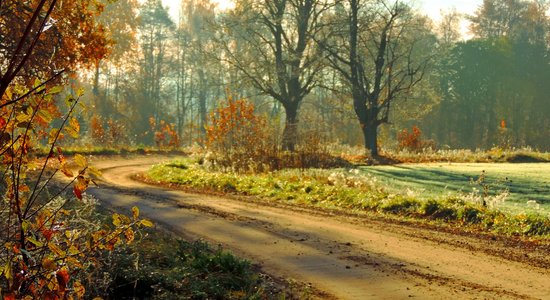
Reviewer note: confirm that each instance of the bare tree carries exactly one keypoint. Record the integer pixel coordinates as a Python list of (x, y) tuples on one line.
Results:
[(271, 44), (379, 55)]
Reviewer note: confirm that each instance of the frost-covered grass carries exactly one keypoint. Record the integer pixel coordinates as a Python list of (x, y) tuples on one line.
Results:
[(428, 155), (468, 156), (361, 191), (525, 185)]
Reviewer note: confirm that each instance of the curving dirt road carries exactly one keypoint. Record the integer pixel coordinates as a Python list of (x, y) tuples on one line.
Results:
[(346, 257)]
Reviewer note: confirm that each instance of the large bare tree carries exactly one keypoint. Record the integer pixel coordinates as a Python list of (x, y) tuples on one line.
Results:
[(379, 49), (271, 44)]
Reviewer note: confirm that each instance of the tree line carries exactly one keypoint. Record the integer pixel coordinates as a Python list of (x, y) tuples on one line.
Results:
[(355, 71)]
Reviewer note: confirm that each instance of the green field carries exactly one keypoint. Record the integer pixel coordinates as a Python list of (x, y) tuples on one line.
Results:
[(525, 181)]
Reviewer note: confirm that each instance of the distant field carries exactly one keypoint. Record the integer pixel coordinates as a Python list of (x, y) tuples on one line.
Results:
[(525, 181)]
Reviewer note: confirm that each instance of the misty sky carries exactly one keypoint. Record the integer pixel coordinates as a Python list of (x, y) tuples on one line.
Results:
[(433, 7), (429, 7)]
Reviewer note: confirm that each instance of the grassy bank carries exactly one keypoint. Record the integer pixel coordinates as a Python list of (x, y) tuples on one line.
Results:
[(163, 267), (355, 191), (158, 265)]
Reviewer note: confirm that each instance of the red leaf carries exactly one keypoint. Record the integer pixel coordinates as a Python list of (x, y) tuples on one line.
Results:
[(50, 296), (77, 192), (62, 277), (9, 297), (47, 234)]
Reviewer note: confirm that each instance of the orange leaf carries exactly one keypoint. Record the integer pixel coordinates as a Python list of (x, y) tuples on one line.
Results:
[(49, 264), (50, 296), (62, 277), (80, 186), (77, 192), (47, 234), (66, 171)]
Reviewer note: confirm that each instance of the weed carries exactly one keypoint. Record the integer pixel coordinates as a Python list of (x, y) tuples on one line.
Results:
[(400, 205)]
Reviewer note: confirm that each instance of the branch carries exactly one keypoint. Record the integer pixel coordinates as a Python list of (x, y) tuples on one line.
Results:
[(32, 90)]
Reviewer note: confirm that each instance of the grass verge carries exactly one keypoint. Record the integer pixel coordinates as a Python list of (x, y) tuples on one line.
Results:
[(158, 265), (350, 190), (162, 267)]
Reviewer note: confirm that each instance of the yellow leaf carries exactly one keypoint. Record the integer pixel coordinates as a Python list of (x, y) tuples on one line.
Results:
[(129, 234), (8, 94), (55, 90), (79, 289), (73, 128), (117, 221), (146, 223), (34, 241), (37, 83), (25, 225), (73, 250), (7, 270), (56, 250), (80, 160), (135, 212), (67, 171), (45, 115), (23, 117), (93, 171), (80, 92)]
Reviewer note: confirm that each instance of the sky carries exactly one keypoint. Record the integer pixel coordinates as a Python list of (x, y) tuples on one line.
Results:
[(432, 8)]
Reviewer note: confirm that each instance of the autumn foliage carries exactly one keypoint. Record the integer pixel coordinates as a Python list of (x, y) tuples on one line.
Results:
[(165, 134), (45, 244), (410, 140), (108, 132), (238, 139), (69, 34), (48, 243)]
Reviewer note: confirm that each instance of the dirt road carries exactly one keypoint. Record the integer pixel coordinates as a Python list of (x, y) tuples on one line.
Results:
[(347, 257)]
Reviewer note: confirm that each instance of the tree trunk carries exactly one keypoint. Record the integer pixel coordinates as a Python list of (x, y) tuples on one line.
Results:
[(370, 134), (290, 133), (95, 88), (202, 102)]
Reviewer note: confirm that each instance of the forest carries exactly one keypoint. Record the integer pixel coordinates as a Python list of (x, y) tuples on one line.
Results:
[(317, 139), (347, 72)]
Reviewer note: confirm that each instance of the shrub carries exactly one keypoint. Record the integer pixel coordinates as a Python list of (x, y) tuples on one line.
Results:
[(110, 132), (412, 141), (238, 139), (166, 136), (47, 244), (470, 215)]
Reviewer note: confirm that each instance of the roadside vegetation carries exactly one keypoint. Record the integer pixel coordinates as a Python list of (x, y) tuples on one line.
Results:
[(354, 191), (158, 265), (242, 159)]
